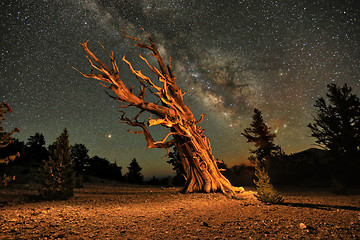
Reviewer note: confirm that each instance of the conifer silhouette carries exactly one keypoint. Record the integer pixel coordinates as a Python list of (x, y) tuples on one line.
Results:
[(134, 175), (57, 175), (259, 134), (337, 129)]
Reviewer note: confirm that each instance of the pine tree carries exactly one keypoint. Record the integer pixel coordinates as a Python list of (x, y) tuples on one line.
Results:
[(337, 126), (259, 134), (37, 140), (79, 154), (36, 151), (265, 190), (5, 140), (337, 129), (134, 175), (57, 175)]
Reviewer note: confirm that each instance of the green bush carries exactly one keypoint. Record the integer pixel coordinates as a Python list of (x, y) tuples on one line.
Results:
[(265, 191)]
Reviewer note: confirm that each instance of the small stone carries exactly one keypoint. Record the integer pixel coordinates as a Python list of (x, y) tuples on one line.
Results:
[(303, 226)]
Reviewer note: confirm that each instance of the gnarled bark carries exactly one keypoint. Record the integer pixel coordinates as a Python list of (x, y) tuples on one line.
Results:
[(202, 173)]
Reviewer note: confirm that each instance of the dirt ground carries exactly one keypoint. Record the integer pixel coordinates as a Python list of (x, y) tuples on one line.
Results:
[(117, 211)]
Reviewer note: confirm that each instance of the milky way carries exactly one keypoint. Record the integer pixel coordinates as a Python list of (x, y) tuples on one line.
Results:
[(234, 56)]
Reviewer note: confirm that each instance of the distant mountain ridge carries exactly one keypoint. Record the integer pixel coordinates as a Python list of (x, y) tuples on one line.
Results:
[(311, 155), (309, 167)]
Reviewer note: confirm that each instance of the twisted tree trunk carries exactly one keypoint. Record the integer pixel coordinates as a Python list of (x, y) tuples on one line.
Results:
[(202, 173)]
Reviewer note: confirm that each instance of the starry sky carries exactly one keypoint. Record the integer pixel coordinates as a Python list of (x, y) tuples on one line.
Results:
[(234, 56)]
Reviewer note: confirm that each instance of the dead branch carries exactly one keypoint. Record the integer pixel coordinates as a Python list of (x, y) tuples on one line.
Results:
[(148, 137)]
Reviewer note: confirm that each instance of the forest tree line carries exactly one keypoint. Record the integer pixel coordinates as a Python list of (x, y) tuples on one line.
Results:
[(34, 152), (60, 166), (336, 129)]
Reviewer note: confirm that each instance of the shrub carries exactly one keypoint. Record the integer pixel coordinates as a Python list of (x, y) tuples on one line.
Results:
[(265, 191)]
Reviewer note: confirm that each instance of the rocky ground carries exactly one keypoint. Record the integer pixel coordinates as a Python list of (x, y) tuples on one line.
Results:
[(117, 211)]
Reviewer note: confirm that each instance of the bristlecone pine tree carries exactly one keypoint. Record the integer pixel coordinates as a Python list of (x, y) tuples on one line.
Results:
[(57, 176), (337, 129), (259, 134), (337, 124), (5, 140), (202, 174)]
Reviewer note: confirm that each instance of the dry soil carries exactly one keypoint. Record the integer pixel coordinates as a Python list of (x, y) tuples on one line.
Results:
[(118, 211)]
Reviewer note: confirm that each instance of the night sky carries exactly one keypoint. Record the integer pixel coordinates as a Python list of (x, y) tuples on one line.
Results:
[(277, 56)]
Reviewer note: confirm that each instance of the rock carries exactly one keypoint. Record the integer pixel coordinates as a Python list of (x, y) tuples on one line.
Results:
[(308, 228), (303, 226)]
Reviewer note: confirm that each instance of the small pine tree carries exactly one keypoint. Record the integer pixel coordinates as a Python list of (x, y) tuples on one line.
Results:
[(5, 140), (265, 190), (259, 134), (57, 175), (134, 175)]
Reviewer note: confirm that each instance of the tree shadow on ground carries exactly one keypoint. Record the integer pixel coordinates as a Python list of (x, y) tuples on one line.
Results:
[(320, 206), (10, 200)]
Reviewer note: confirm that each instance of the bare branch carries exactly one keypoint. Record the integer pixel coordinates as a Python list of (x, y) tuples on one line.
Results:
[(139, 74), (142, 93), (163, 141), (170, 70), (161, 121), (113, 97), (186, 92), (149, 139), (151, 47), (201, 119), (124, 94), (126, 106)]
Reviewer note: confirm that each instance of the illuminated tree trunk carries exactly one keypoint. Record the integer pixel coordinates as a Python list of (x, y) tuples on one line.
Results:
[(202, 173)]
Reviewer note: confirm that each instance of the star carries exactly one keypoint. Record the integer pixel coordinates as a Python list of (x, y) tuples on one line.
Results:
[(234, 56)]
